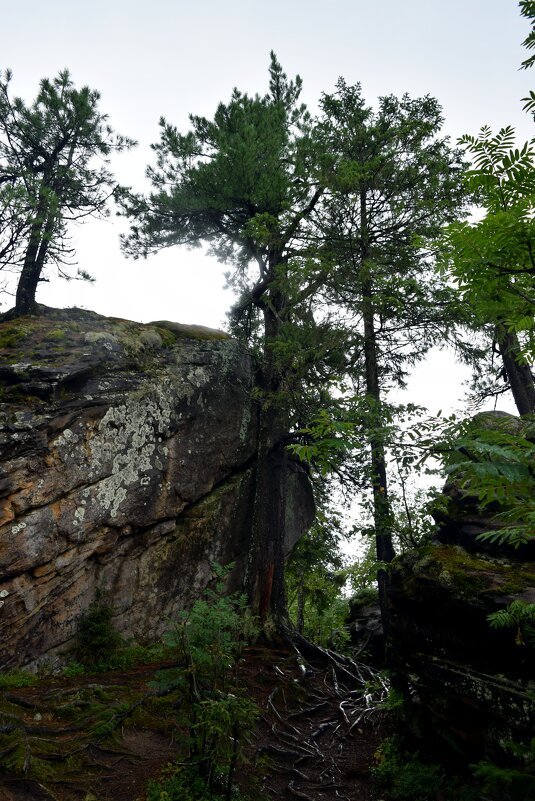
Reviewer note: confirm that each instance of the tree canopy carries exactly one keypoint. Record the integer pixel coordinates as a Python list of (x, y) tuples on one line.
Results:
[(319, 219)]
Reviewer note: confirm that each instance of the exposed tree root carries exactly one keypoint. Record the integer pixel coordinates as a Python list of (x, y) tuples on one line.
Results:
[(340, 694)]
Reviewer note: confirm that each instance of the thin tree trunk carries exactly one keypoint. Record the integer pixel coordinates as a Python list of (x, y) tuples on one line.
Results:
[(381, 506), (232, 764), (518, 372), (382, 516), (300, 623)]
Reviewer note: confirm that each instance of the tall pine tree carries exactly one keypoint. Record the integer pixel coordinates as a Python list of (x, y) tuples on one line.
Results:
[(246, 182)]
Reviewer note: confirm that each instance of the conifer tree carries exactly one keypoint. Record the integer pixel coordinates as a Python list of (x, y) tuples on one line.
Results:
[(246, 182), (395, 184), (47, 178)]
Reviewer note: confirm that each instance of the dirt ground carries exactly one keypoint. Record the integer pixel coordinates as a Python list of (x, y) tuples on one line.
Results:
[(101, 737)]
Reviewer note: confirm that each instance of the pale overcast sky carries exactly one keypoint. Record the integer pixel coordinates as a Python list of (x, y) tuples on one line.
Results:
[(172, 58)]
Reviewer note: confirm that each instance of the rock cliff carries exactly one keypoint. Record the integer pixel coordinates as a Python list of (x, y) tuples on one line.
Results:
[(126, 466), (466, 685)]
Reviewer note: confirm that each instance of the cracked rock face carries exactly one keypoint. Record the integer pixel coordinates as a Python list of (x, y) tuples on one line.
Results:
[(126, 466)]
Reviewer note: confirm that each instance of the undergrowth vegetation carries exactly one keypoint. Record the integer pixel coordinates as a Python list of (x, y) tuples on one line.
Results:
[(99, 647), (207, 643)]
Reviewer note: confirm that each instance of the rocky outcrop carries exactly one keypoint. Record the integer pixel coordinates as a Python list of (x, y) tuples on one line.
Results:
[(468, 687), (460, 518), (126, 467)]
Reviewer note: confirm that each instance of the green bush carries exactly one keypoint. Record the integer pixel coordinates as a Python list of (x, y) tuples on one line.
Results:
[(183, 783), (16, 678), (207, 643), (97, 641), (407, 778), (509, 783)]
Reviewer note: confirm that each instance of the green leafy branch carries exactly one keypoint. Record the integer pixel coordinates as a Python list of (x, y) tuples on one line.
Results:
[(519, 615)]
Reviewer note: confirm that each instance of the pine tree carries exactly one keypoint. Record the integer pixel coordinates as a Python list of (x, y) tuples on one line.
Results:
[(47, 179), (395, 184), (246, 182)]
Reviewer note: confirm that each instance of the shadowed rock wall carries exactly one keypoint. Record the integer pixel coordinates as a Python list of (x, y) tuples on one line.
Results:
[(467, 686), (126, 466)]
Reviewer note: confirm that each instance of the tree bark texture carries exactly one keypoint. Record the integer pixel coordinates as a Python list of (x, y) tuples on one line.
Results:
[(34, 260), (518, 372), (266, 559)]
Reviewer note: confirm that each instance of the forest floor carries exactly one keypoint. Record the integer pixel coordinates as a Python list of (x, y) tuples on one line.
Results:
[(101, 737)]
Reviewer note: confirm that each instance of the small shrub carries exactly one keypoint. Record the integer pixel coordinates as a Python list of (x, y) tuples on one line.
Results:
[(207, 643), (509, 783), (183, 783), (406, 777), (74, 669), (56, 335), (97, 641)]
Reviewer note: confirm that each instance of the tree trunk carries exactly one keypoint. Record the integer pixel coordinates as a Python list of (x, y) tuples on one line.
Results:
[(27, 288), (266, 557), (381, 505), (34, 260), (382, 516), (518, 372), (300, 623)]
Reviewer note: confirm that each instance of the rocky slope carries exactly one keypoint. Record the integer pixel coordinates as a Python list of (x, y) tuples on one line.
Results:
[(126, 467)]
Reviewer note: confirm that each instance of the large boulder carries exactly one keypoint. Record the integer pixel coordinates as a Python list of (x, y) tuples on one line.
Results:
[(467, 686), (127, 457), (460, 518)]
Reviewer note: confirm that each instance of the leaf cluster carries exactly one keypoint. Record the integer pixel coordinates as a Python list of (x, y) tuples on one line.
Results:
[(509, 783), (527, 10), (492, 462), (520, 616), (492, 261)]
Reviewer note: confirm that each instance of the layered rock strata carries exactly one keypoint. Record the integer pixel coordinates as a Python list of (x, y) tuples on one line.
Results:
[(126, 467), (466, 685)]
